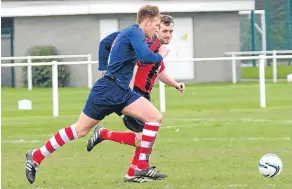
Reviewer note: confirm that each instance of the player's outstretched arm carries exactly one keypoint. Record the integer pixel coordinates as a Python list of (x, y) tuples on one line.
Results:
[(167, 79), (104, 50), (144, 54)]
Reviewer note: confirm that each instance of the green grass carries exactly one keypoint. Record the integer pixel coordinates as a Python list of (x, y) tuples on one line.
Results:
[(212, 137), (253, 72)]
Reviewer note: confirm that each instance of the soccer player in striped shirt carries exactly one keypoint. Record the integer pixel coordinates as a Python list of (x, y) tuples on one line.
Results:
[(143, 82)]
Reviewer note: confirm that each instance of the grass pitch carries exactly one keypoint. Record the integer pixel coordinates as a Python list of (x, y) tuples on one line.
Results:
[(212, 137), (253, 72)]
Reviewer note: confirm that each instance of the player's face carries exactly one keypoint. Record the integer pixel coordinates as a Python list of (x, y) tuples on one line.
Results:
[(152, 26), (165, 33)]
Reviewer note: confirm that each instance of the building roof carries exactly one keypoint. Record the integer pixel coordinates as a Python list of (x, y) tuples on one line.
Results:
[(49, 8)]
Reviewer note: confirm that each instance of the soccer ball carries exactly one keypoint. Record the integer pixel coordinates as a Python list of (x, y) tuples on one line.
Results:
[(270, 165)]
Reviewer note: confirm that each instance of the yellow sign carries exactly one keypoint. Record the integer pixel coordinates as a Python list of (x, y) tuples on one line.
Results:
[(186, 36)]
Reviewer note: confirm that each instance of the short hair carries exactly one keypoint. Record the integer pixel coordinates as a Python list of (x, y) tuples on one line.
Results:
[(147, 11), (166, 19)]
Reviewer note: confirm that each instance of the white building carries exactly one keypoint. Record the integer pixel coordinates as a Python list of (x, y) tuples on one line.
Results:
[(203, 28)]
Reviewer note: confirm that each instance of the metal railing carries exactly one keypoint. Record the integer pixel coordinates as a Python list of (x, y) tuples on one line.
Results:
[(54, 64)]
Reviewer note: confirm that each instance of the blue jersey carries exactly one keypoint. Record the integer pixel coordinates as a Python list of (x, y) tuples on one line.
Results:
[(129, 46), (112, 92)]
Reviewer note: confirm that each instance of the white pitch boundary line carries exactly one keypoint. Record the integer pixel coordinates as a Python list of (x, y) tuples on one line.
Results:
[(21, 141), (167, 116), (244, 120), (125, 130), (248, 120), (232, 186), (178, 140), (187, 125), (225, 186), (227, 139)]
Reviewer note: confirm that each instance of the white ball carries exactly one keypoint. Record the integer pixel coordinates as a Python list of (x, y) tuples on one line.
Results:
[(270, 165)]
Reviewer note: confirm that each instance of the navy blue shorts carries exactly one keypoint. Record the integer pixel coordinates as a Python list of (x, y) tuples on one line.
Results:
[(106, 97)]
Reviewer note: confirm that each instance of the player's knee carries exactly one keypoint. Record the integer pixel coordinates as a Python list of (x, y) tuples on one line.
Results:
[(82, 133), (138, 139), (84, 124), (80, 130), (159, 118)]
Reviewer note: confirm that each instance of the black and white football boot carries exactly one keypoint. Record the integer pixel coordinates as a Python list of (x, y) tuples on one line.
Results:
[(136, 179), (151, 173), (30, 167), (95, 138)]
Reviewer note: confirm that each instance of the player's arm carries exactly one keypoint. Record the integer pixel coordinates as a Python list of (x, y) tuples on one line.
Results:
[(144, 54), (167, 79), (104, 50)]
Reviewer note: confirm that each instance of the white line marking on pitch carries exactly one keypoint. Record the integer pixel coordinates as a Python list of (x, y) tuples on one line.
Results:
[(232, 186), (21, 141), (225, 139), (163, 127), (177, 140), (186, 125), (248, 120), (231, 121)]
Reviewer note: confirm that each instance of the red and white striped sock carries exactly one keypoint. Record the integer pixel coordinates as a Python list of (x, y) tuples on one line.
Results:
[(120, 137), (62, 137), (149, 134)]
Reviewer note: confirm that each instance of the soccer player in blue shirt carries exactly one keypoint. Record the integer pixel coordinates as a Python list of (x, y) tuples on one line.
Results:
[(112, 94), (142, 83)]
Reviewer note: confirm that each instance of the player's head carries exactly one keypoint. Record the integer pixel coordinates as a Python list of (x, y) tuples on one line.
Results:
[(148, 19), (165, 29)]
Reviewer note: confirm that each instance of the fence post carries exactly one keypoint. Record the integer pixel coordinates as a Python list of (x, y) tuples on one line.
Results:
[(288, 26), (275, 76), (162, 96), (55, 89), (264, 34), (29, 73), (89, 71), (253, 34), (233, 68), (262, 81)]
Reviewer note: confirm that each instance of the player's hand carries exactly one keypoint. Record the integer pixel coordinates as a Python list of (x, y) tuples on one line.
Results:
[(180, 87), (163, 51)]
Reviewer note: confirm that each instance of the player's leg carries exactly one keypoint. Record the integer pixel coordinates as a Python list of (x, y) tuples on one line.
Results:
[(91, 115), (141, 109), (136, 126), (79, 129), (130, 175), (152, 119), (63, 136), (100, 134), (131, 170), (129, 138)]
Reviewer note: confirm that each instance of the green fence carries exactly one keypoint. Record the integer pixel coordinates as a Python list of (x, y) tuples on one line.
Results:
[(8, 32), (278, 26)]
